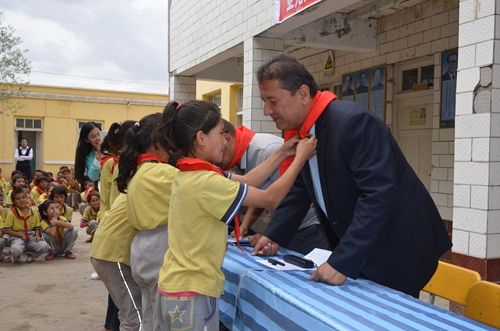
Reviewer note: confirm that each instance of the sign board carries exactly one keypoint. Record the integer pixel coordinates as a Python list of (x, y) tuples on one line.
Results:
[(329, 64), (285, 9)]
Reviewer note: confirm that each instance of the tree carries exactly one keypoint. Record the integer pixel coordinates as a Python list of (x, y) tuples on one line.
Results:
[(14, 66)]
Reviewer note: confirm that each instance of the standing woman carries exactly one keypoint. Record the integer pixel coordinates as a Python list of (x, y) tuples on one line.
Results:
[(23, 156), (88, 164), (88, 153)]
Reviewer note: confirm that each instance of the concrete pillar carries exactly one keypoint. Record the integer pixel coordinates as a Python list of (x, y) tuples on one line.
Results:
[(256, 52), (182, 88), (476, 205)]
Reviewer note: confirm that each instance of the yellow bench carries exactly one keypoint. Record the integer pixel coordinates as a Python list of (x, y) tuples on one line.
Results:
[(451, 282), (483, 303)]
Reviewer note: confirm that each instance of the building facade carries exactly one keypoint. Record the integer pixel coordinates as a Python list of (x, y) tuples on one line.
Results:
[(429, 68), (51, 117)]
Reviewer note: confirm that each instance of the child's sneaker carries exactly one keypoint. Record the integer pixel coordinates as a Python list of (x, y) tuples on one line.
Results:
[(50, 256), (7, 259), (69, 255), (89, 240), (94, 276), (30, 259), (16, 259)]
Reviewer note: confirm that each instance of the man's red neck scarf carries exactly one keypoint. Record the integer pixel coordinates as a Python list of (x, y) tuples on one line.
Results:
[(319, 103), (242, 138), (194, 164)]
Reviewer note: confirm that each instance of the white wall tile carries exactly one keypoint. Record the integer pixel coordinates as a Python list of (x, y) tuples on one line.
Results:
[(467, 79), (479, 197), (493, 246), (460, 241), (494, 170), (484, 53), (467, 11), (477, 245), (461, 195), (464, 103), (480, 149), (472, 220), (493, 221), (471, 173), (463, 150), (494, 198)]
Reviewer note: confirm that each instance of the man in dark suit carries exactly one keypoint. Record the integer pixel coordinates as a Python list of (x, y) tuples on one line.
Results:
[(384, 222)]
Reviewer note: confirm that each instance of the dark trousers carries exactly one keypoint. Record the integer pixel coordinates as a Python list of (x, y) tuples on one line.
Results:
[(112, 321), (309, 238)]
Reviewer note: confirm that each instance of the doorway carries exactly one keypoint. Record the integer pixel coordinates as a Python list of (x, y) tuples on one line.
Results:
[(414, 132)]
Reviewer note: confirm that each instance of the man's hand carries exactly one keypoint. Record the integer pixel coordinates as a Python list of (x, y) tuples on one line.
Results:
[(327, 274), (265, 246)]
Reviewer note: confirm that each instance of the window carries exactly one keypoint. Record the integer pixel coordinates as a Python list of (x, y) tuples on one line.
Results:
[(28, 124), (216, 98), (420, 78), (239, 107)]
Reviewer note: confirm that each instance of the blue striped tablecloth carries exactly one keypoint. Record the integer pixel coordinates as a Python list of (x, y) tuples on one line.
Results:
[(260, 298)]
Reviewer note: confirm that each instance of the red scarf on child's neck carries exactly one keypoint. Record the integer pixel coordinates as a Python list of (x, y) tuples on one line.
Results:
[(24, 218), (148, 157), (106, 157), (319, 103), (242, 138), (194, 164)]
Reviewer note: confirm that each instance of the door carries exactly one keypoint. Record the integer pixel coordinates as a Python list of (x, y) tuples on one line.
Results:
[(414, 132)]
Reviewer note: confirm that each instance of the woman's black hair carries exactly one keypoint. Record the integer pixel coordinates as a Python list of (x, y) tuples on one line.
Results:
[(180, 123), (138, 139), (113, 141), (83, 149), (58, 190), (42, 208)]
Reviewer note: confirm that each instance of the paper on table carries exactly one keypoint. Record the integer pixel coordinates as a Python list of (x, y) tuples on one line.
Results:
[(318, 256), (286, 267)]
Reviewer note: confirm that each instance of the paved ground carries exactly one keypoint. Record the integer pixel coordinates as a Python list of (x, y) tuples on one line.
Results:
[(59, 295), (52, 296)]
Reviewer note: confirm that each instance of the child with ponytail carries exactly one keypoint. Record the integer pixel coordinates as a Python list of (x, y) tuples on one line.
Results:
[(146, 178), (202, 202), (110, 149)]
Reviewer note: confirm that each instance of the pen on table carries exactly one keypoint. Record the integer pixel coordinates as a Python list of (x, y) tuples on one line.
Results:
[(275, 262)]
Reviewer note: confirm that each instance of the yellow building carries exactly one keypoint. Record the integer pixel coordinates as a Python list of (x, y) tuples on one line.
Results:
[(51, 117), (228, 96)]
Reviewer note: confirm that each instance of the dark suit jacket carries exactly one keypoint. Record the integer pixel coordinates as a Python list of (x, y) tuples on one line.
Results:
[(387, 225)]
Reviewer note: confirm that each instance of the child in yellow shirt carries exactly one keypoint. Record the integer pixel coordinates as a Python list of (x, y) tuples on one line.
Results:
[(203, 201), (41, 183), (57, 231), (58, 195), (22, 224), (89, 218)]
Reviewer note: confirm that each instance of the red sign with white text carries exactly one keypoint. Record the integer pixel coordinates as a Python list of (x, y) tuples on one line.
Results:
[(288, 8)]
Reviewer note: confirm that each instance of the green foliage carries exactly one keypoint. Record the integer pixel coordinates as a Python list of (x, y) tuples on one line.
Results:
[(14, 66)]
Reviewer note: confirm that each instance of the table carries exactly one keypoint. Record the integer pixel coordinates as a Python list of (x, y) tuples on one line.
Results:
[(260, 298)]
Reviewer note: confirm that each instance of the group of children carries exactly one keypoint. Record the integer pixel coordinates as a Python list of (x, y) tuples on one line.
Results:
[(35, 218), (159, 248)]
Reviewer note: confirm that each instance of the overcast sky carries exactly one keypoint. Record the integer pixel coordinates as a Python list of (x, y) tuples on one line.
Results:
[(104, 44)]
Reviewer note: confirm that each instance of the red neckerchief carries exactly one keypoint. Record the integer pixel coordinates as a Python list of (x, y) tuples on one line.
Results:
[(320, 102), (116, 159), (242, 138), (105, 157), (23, 218), (148, 157), (38, 190), (194, 164)]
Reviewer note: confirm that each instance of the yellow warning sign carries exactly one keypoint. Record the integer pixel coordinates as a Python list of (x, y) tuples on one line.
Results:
[(329, 65)]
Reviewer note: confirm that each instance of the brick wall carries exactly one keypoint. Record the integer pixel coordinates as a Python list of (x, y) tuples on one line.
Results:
[(423, 30), (217, 26)]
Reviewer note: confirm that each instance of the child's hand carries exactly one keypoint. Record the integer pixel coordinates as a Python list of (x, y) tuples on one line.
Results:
[(306, 148), (289, 147), (25, 237), (37, 238)]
